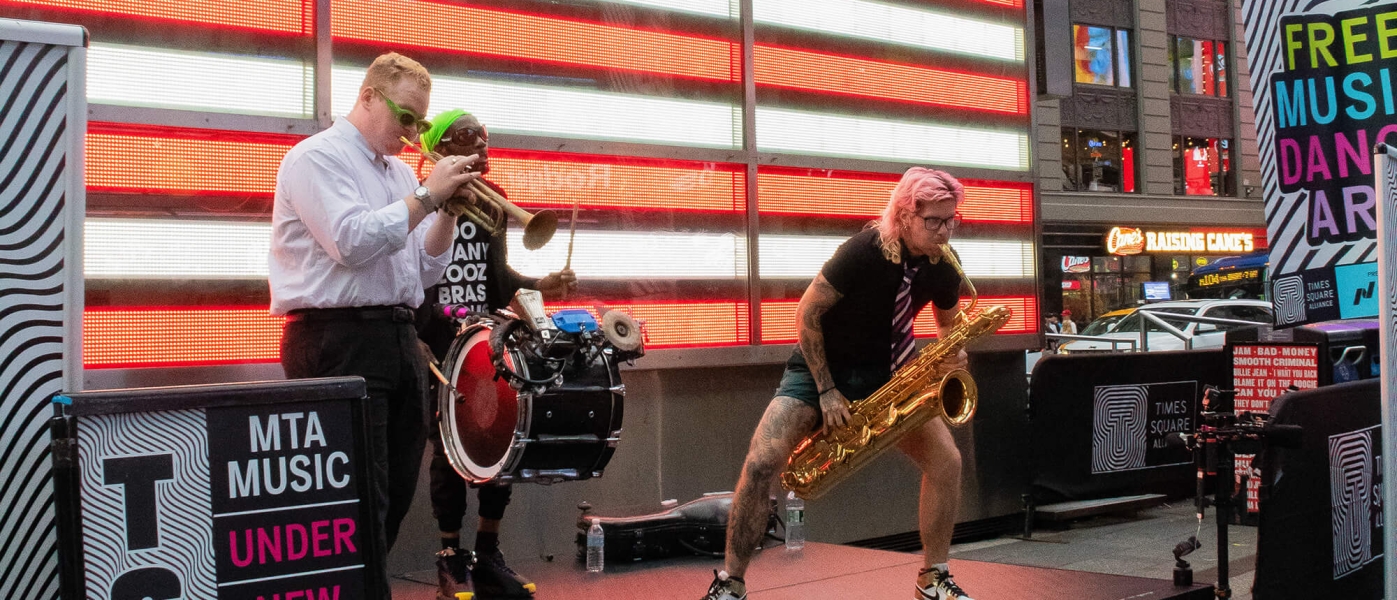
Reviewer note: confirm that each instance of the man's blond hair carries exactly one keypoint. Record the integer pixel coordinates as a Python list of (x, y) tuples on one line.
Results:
[(388, 69)]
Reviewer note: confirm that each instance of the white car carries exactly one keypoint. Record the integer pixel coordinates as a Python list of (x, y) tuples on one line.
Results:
[(1203, 335)]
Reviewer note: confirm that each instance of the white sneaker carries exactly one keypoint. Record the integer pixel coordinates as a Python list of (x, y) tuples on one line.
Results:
[(942, 588), (722, 588)]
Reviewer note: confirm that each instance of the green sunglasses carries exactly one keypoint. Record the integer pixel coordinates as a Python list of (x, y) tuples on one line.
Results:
[(405, 117)]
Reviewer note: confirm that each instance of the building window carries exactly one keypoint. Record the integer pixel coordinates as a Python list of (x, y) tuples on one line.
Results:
[(1199, 66), (1102, 55), (1203, 167), (1098, 161)]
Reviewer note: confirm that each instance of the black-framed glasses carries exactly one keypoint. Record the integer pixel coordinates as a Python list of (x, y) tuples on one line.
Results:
[(934, 223), (405, 117)]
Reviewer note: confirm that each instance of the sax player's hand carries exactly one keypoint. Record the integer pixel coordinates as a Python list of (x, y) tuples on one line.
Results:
[(835, 409), (960, 361)]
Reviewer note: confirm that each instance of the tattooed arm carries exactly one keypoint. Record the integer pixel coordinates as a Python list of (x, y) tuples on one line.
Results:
[(816, 301), (945, 320)]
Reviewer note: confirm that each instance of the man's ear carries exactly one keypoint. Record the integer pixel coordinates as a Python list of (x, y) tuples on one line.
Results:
[(366, 96)]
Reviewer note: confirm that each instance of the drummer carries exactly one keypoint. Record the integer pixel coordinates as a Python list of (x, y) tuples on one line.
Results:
[(479, 279)]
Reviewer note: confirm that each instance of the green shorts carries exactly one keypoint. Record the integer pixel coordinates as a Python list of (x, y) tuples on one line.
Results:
[(855, 384)]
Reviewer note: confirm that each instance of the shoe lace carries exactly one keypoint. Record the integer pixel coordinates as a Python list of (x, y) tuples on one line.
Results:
[(950, 584), (716, 590), (496, 560)]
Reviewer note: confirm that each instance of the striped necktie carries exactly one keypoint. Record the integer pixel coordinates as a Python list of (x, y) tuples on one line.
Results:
[(902, 338)]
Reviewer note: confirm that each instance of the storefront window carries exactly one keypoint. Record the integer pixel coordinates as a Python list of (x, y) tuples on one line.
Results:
[(1102, 55), (1200, 66), (1203, 167), (1098, 161)]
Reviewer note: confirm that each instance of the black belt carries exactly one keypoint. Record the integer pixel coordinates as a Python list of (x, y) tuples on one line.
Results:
[(397, 314)]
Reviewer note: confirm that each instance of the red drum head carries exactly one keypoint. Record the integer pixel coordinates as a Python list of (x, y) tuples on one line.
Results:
[(485, 415)]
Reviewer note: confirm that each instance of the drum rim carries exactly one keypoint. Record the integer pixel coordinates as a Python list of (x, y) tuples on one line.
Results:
[(455, 455)]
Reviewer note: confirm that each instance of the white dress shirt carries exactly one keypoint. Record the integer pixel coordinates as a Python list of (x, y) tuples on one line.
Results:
[(340, 233)]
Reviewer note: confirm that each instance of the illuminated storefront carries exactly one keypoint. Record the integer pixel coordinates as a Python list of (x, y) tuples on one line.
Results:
[(1104, 269)]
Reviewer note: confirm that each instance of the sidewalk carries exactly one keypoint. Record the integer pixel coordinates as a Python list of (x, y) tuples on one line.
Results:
[(1141, 546)]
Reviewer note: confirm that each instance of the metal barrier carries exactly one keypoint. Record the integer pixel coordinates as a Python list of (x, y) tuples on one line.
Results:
[(1146, 317)]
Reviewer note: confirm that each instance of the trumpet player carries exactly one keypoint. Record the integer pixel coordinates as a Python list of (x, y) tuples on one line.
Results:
[(355, 239), (479, 278), (855, 329)]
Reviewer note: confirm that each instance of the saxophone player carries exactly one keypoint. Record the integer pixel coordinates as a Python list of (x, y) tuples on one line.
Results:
[(855, 330)]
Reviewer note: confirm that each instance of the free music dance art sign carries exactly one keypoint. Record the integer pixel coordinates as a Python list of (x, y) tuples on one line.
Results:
[(1324, 73)]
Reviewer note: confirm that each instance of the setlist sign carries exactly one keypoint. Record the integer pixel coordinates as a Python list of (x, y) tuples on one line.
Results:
[(233, 492), (1260, 373)]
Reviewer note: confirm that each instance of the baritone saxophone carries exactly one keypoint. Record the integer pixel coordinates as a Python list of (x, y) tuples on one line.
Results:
[(917, 393)]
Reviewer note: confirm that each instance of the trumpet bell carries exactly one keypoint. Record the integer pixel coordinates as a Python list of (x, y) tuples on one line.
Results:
[(540, 228)]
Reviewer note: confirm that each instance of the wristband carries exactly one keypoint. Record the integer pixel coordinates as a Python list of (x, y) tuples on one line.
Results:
[(826, 391)]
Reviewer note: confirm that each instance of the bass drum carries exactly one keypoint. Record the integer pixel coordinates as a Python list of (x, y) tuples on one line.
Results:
[(494, 433)]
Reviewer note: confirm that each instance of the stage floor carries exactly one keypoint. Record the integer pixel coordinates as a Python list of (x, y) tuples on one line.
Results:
[(818, 571)]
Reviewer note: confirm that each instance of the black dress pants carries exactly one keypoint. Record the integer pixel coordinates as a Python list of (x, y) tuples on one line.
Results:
[(384, 352)]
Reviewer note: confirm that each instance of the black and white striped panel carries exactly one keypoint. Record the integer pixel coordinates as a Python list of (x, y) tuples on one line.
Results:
[(1286, 216), (1118, 428), (33, 180), (184, 513)]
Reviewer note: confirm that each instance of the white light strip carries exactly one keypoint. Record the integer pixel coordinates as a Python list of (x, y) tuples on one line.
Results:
[(802, 256), (895, 24), (715, 8), (173, 249), (200, 81), (804, 132), (566, 112), (635, 255)]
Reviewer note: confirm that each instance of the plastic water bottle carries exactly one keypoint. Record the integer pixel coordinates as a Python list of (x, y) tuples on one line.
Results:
[(595, 545), (795, 522)]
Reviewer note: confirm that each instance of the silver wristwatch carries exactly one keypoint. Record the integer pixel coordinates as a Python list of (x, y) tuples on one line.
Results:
[(424, 195)]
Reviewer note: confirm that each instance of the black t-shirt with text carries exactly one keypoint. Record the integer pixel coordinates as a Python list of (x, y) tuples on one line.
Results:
[(858, 328), (478, 277)]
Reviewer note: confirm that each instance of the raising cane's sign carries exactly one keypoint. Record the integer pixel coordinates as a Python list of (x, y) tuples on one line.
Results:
[(1130, 240)]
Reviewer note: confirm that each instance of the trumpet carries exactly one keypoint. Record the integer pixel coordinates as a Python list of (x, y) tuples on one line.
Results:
[(492, 209)]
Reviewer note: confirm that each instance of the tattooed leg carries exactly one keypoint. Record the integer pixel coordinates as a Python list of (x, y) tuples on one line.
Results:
[(786, 421)]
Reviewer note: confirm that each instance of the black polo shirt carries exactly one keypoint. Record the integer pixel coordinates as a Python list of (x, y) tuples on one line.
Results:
[(858, 328)]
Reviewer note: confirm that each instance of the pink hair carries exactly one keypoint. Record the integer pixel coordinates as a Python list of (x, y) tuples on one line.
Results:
[(919, 185)]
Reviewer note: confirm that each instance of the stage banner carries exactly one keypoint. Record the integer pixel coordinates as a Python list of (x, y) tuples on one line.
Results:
[(1320, 528), (1099, 422), (1323, 73), (1385, 168), (242, 492)]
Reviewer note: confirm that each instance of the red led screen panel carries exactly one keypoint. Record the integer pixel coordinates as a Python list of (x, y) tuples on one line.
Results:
[(193, 336), (556, 179), (832, 73), (779, 318), (284, 16), (795, 192), (534, 37), (174, 161), (684, 324), (175, 337)]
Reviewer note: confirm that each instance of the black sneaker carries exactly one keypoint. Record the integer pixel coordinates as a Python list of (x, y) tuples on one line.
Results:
[(723, 588), (454, 575), (942, 588), (495, 579)]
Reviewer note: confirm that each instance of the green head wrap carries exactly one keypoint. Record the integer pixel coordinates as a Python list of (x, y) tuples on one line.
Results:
[(440, 124)]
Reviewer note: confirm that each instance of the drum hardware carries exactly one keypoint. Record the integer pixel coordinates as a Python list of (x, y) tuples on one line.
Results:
[(520, 408)]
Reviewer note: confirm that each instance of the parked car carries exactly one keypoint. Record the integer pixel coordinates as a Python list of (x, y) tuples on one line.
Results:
[(1203, 335)]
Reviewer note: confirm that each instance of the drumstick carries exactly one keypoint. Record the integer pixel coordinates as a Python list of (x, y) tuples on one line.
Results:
[(572, 232)]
